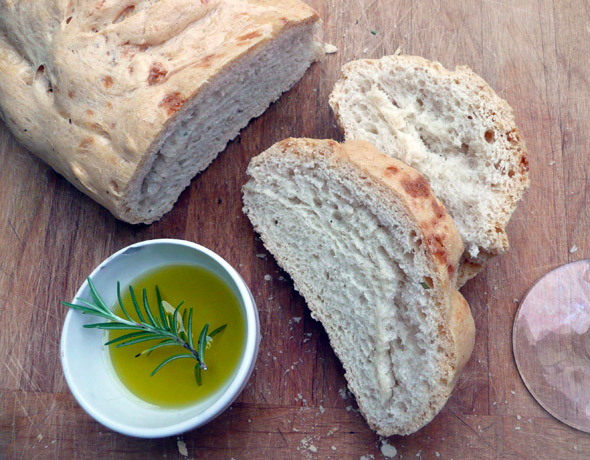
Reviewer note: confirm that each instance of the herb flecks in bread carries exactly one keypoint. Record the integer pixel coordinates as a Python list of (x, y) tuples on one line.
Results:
[(375, 256), (130, 100), (454, 129)]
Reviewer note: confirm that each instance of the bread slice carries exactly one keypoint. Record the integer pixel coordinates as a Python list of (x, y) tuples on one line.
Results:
[(450, 126), (375, 255), (130, 99)]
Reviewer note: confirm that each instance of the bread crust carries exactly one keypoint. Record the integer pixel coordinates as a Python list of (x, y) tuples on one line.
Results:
[(93, 88), (494, 108), (391, 179)]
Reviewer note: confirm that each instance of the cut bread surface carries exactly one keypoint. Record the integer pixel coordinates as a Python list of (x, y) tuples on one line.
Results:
[(450, 126), (375, 255)]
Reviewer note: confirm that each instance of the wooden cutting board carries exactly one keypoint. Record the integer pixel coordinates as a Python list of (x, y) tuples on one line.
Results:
[(534, 53)]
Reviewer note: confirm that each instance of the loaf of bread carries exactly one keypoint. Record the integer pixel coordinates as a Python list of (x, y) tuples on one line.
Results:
[(375, 256), (454, 129), (130, 99)]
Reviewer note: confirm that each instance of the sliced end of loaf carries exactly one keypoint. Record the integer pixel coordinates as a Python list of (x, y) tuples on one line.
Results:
[(216, 115), (375, 256), (454, 129)]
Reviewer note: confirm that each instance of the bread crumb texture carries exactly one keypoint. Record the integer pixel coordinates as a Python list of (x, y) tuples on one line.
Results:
[(371, 255), (454, 129)]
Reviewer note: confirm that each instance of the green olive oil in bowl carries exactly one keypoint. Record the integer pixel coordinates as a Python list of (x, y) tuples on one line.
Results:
[(168, 369), (174, 384)]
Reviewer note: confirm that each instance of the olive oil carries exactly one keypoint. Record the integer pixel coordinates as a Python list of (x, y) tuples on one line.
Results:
[(213, 302)]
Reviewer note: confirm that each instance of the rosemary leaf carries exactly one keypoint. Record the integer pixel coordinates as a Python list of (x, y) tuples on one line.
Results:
[(86, 310), (122, 338), (189, 329), (137, 340), (147, 309), (93, 307), (171, 358), (198, 374), (201, 346), (110, 326), (97, 299), (136, 306), (217, 331), (163, 343), (121, 301), (161, 308)]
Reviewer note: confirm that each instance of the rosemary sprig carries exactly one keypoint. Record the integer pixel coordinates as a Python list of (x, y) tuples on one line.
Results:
[(164, 327)]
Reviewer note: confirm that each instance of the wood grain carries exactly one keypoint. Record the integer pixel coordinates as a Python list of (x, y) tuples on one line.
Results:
[(534, 53)]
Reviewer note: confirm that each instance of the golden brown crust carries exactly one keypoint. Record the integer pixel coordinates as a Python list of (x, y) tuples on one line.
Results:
[(89, 88), (438, 229), (463, 330)]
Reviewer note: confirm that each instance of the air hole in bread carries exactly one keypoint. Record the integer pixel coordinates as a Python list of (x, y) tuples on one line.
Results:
[(399, 344), (420, 102), (489, 136), (68, 20), (511, 173), (425, 142), (124, 13), (114, 186), (317, 202), (295, 200), (464, 147), (42, 78), (371, 128), (337, 216), (401, 406)]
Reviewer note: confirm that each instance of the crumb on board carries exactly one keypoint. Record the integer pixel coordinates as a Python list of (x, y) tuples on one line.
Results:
[(330, 49), (332, 431), (573, 249), (388, 450), (267, 277), (182, 450)]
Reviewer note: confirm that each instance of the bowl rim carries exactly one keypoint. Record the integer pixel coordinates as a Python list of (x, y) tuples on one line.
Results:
[(224, 400)]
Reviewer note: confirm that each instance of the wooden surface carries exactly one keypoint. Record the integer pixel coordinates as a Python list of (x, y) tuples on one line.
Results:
[(534, 53)]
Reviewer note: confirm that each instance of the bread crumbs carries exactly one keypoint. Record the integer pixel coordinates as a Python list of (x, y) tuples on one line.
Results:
[(388, 450), (182, 450)]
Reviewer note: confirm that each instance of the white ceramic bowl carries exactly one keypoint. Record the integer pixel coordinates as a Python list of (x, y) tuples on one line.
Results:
[(88, 371)]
